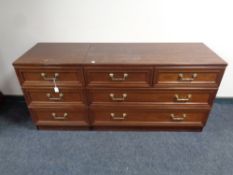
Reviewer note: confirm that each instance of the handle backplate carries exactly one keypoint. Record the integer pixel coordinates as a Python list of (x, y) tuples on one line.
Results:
[(184, 99), (114, 117), (113, 78), (123, 98), (178, 118), (64, 117), (182, 78), (45, 76), (61, 95)]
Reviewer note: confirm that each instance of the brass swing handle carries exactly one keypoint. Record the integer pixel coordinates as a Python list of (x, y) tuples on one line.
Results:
[(181, 77), (178, 118), (45, 76), (112, 96), (183, 99), (54, 115), (61, 95), (111, 75), (114, 117)]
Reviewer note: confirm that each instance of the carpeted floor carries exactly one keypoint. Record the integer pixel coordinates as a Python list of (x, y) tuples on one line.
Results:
[(26, 151)]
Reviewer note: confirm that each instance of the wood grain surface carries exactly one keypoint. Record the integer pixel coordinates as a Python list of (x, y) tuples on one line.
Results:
[(120, 86), (120, 53)]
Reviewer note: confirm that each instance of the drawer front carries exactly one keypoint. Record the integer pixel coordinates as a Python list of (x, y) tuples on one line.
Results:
[(187, 77), (141, 117), (119, 77), (60, 116), (47, 95), (170, 96), (46, 76)]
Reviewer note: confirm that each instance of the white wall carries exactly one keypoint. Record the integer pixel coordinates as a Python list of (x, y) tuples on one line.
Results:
[(26, 22)]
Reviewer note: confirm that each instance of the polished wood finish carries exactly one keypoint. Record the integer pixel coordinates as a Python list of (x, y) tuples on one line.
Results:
[(45, 54), (60, 116), (149, 96), (136, 76), (48, 96), (128, 115), (120, 86), (152, 54), (120, 54), (188, 76), (32, 76)]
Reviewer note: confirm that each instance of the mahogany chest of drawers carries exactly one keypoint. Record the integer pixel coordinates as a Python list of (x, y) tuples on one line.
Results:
[(120, 86)]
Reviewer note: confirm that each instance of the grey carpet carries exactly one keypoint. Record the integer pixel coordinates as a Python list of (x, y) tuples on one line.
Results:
[(24, 150)]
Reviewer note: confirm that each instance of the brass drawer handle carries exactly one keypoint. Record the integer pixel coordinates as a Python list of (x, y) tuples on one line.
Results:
[(181, 77), (64, 117), (178, 99), (111, 75), (118, 98), (61, 95), (177, 118), (114, 117), (45, 76)]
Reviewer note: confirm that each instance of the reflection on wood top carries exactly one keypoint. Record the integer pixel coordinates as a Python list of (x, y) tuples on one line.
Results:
[(120, 54)]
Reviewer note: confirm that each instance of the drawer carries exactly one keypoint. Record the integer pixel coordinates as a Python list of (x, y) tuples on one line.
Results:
[(47, 95), (119, 76), (40, 76), (147, 95), (134, 116), (60, 116), (187, 76)]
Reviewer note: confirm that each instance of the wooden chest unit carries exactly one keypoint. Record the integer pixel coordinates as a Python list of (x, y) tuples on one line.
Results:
[(120, 86)]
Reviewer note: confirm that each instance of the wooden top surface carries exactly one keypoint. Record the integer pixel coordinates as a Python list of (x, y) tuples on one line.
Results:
[(54, 54), (120, 53)]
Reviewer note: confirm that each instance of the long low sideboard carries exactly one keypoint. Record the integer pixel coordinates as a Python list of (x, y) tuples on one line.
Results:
[(120, 86)]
